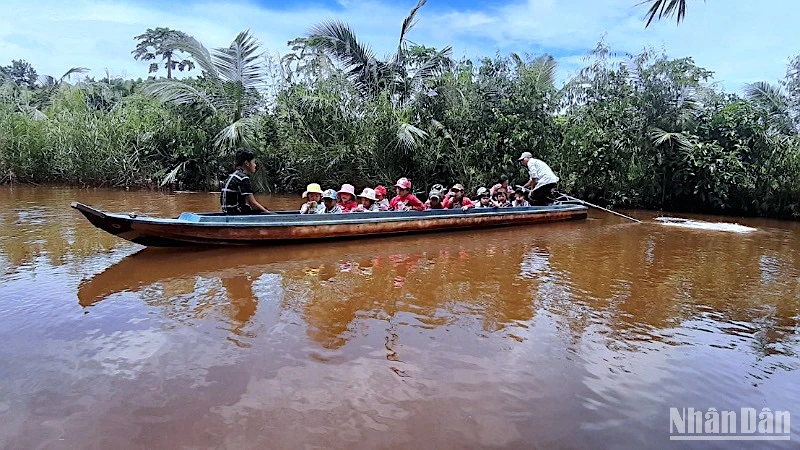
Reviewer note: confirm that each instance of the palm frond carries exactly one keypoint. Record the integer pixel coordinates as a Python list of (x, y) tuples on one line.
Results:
[(179, 93), (47, 81), (408, 136), (234, 134), (776, 103), (543, 71), (173, 174), (408, 24), (660, 137), (445, 132), (518, 62), (241, 61), (689, 106), (338, 40), (767, 94), (71, 72), (434, 66), (665, 8), (198, 52)]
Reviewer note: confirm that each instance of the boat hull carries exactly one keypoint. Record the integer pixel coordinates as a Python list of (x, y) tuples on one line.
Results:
[(213, 229)]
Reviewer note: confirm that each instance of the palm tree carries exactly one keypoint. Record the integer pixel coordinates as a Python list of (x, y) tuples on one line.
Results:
[(160, 41), (665, 8), (229, 88), (784, 118), (541, 71), (401, 73), (403, 76)]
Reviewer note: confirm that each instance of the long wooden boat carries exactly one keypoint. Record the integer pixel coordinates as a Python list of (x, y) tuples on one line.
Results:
[(193, 229)]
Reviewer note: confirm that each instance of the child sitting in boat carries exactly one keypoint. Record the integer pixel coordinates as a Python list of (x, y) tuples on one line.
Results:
[(329, 202), (347, 198), (456, 199), (484, 199), (405, 200), (519, 198), (500, 199), (382, 201), (314, 204), (434, 200), (368, 201), (504, 183)]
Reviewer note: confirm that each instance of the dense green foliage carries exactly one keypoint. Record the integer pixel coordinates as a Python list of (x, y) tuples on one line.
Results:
[(628, 130), (20, 72)]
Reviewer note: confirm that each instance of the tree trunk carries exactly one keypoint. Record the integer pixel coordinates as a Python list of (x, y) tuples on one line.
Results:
[(169, 67)]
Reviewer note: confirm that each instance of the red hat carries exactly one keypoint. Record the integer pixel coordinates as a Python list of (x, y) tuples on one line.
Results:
[(380, 190), (403, 183)]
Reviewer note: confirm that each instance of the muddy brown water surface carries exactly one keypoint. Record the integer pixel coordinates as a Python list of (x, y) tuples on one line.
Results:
[(570, 335)]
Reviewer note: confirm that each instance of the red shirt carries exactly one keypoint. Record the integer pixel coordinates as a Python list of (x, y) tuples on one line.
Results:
[(348, 206), (448, 202), (409, 200)]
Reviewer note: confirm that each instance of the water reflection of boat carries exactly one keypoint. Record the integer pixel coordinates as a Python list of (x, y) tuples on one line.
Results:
[(218, 229), (334, 285), (151, 266)]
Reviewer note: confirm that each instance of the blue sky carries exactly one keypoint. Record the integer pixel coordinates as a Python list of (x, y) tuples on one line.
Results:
[(740, 40)]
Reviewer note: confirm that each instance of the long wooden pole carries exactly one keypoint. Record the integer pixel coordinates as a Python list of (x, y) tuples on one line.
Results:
[(601, 208)]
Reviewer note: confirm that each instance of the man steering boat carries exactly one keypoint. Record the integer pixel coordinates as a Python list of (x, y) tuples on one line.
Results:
[(542, 180)]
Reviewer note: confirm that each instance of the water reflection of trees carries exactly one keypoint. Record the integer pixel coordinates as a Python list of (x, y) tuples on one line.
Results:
[(34, 226), (27, 235), (643, 280), (38, 222)]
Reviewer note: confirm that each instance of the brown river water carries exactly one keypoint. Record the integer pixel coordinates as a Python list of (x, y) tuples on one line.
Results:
[(571, 335)]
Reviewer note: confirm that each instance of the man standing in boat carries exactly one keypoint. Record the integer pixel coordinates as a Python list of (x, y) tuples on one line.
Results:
[(237, 193), (542, 179)]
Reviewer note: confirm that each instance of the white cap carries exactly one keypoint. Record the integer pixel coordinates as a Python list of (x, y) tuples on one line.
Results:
[(525, 155), (368, 193)]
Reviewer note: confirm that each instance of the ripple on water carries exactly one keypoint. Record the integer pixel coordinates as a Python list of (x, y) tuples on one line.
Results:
[(706, 226)]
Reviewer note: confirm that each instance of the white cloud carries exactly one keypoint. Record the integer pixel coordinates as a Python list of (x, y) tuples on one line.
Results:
[(740, 40)]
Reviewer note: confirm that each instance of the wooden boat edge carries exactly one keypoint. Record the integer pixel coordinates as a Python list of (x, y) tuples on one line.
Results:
[(178, 233)]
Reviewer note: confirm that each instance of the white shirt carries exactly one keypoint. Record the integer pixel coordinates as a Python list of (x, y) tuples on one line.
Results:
[(542, 172)]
